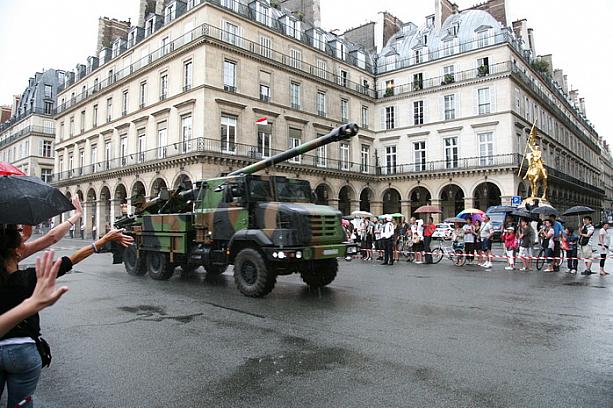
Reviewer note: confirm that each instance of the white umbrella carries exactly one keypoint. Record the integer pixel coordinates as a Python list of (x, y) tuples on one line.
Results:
[(362, 214)]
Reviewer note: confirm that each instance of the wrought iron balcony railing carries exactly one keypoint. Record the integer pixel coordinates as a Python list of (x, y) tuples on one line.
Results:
[(16, 118), (25, 132), (439, 166), (214, 33)]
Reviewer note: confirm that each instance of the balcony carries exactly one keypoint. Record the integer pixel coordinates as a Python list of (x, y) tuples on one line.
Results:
[(445, 166), (206, 31), (17, 118), (20, 134), (444, 80)]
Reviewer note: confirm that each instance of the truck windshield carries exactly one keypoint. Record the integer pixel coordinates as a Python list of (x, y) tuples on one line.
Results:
[(259, 190), (292, 191)]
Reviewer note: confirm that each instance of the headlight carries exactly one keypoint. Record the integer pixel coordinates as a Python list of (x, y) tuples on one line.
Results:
[(274, 255), (299, 254)]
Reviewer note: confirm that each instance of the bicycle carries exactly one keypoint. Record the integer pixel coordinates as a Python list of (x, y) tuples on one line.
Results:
[(437, 253), (456, 254), (407, 250)]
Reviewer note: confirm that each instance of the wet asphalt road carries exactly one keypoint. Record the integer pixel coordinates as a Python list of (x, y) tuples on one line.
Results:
[(379, 336)]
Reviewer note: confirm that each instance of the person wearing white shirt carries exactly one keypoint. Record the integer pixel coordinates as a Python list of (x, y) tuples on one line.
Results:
[(585, 244), (387, 235), (603, 247)]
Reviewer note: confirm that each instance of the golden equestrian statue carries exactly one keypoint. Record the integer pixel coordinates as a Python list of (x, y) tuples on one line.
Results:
[(536, 167)]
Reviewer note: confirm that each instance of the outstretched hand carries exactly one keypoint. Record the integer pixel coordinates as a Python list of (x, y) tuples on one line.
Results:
[(77, 205), (45, 294), (118, 236)]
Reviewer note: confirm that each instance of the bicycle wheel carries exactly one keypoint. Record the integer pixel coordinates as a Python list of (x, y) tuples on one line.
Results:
[(437, 255), (459, 259), (540, 261)]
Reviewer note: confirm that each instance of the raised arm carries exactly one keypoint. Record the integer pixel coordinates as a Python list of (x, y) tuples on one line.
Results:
[(45, 294), (113, 235), (53, 236)]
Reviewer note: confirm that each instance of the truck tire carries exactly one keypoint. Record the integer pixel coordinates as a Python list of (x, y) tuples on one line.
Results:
[(159, 266), (134, 264), (321, 273), (252, 276), (215, 270)]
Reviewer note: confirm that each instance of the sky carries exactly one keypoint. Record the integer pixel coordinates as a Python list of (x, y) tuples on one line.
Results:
[(42, 34)]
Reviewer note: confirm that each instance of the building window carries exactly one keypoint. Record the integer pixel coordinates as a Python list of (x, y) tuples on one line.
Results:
[(162, 140), (390, 159), (389, 118), (451, 152), (484, 101), (230, 33), (264, 141), (229, 76), (141, 144), (295, 58), (109, 110), (389, 87), (294, 94), (48, 127), (47, 148), (448, 74), (420, 156), (265, 46), (123, 150), (163, 86), (228, 134), (295, 140), (344, 153), (449, 107), (417, 55), (45, 175), (169, 15), (343, 78), (264, 93), (483, 66), (61, 131), (71, 127), (448, 47), (94, 157), (486, 149), (95, 116), (322, 155), (48, 89), (48, 108), (108, 155), (124, 103), (165, 45), (81, 160), (344, 110), (262, 14), (483, 39), (364, 158), (187, 76), (82, 121), (322, 70), (365, 117), (418, 112), (186, 133), (142, 94), (418, 81), (321, 103)]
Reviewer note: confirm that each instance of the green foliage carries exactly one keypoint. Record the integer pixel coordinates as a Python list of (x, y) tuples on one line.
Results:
[(540, 65)]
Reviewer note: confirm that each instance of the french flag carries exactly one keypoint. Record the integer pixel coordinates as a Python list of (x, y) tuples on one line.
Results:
[(262, 122)]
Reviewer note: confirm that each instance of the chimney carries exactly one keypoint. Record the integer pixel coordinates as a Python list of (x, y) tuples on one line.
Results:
[(391, 25), (558, 76), (574, 96), (582, 106), (110, 29), (531, 40), (309, 10), (565, 84)]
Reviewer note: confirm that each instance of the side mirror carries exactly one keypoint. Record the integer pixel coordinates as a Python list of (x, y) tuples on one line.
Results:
[(219, 188)]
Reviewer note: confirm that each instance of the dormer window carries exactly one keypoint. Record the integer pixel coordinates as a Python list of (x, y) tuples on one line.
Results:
[(425, 39), (170, 12), (149, 26), (454, 29), (341, 51), (418, 56), (262, 13), (132, 39), (115, 49), (483, 36), (230, 4), (292, 27), (430, 21), (319, 40)]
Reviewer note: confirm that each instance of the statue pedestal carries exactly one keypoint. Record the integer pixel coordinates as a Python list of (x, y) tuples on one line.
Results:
[(533, 201)]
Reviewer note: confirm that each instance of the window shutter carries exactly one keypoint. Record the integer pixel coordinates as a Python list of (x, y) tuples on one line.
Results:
[(476, 101), (40, 148), (240, 37), (458, 104), (425, 105), (493, 99), (383, 118)]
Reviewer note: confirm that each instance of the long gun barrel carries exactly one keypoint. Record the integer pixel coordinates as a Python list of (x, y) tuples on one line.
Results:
[(340, 133)]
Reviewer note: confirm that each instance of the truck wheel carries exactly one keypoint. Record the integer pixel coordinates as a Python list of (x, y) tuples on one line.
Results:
[(159, 266), (215, 270), (135, 265), (251, 274), (321, 273)]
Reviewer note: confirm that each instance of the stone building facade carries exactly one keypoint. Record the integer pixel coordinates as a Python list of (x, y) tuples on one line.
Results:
[(443, 111)]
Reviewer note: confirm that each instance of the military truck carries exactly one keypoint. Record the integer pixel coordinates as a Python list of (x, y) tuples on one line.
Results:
[(263, 225)]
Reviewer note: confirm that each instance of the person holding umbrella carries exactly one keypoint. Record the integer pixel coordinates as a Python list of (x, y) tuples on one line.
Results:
[(21, 373)]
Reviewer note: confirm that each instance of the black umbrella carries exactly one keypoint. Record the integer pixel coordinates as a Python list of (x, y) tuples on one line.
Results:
[(523, 213), (545, 210), (30, 201), (578, 210), (501, 209)]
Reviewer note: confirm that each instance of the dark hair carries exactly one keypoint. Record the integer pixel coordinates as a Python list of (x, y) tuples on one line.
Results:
[(570, 229), (10, 240), (587, 217)]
